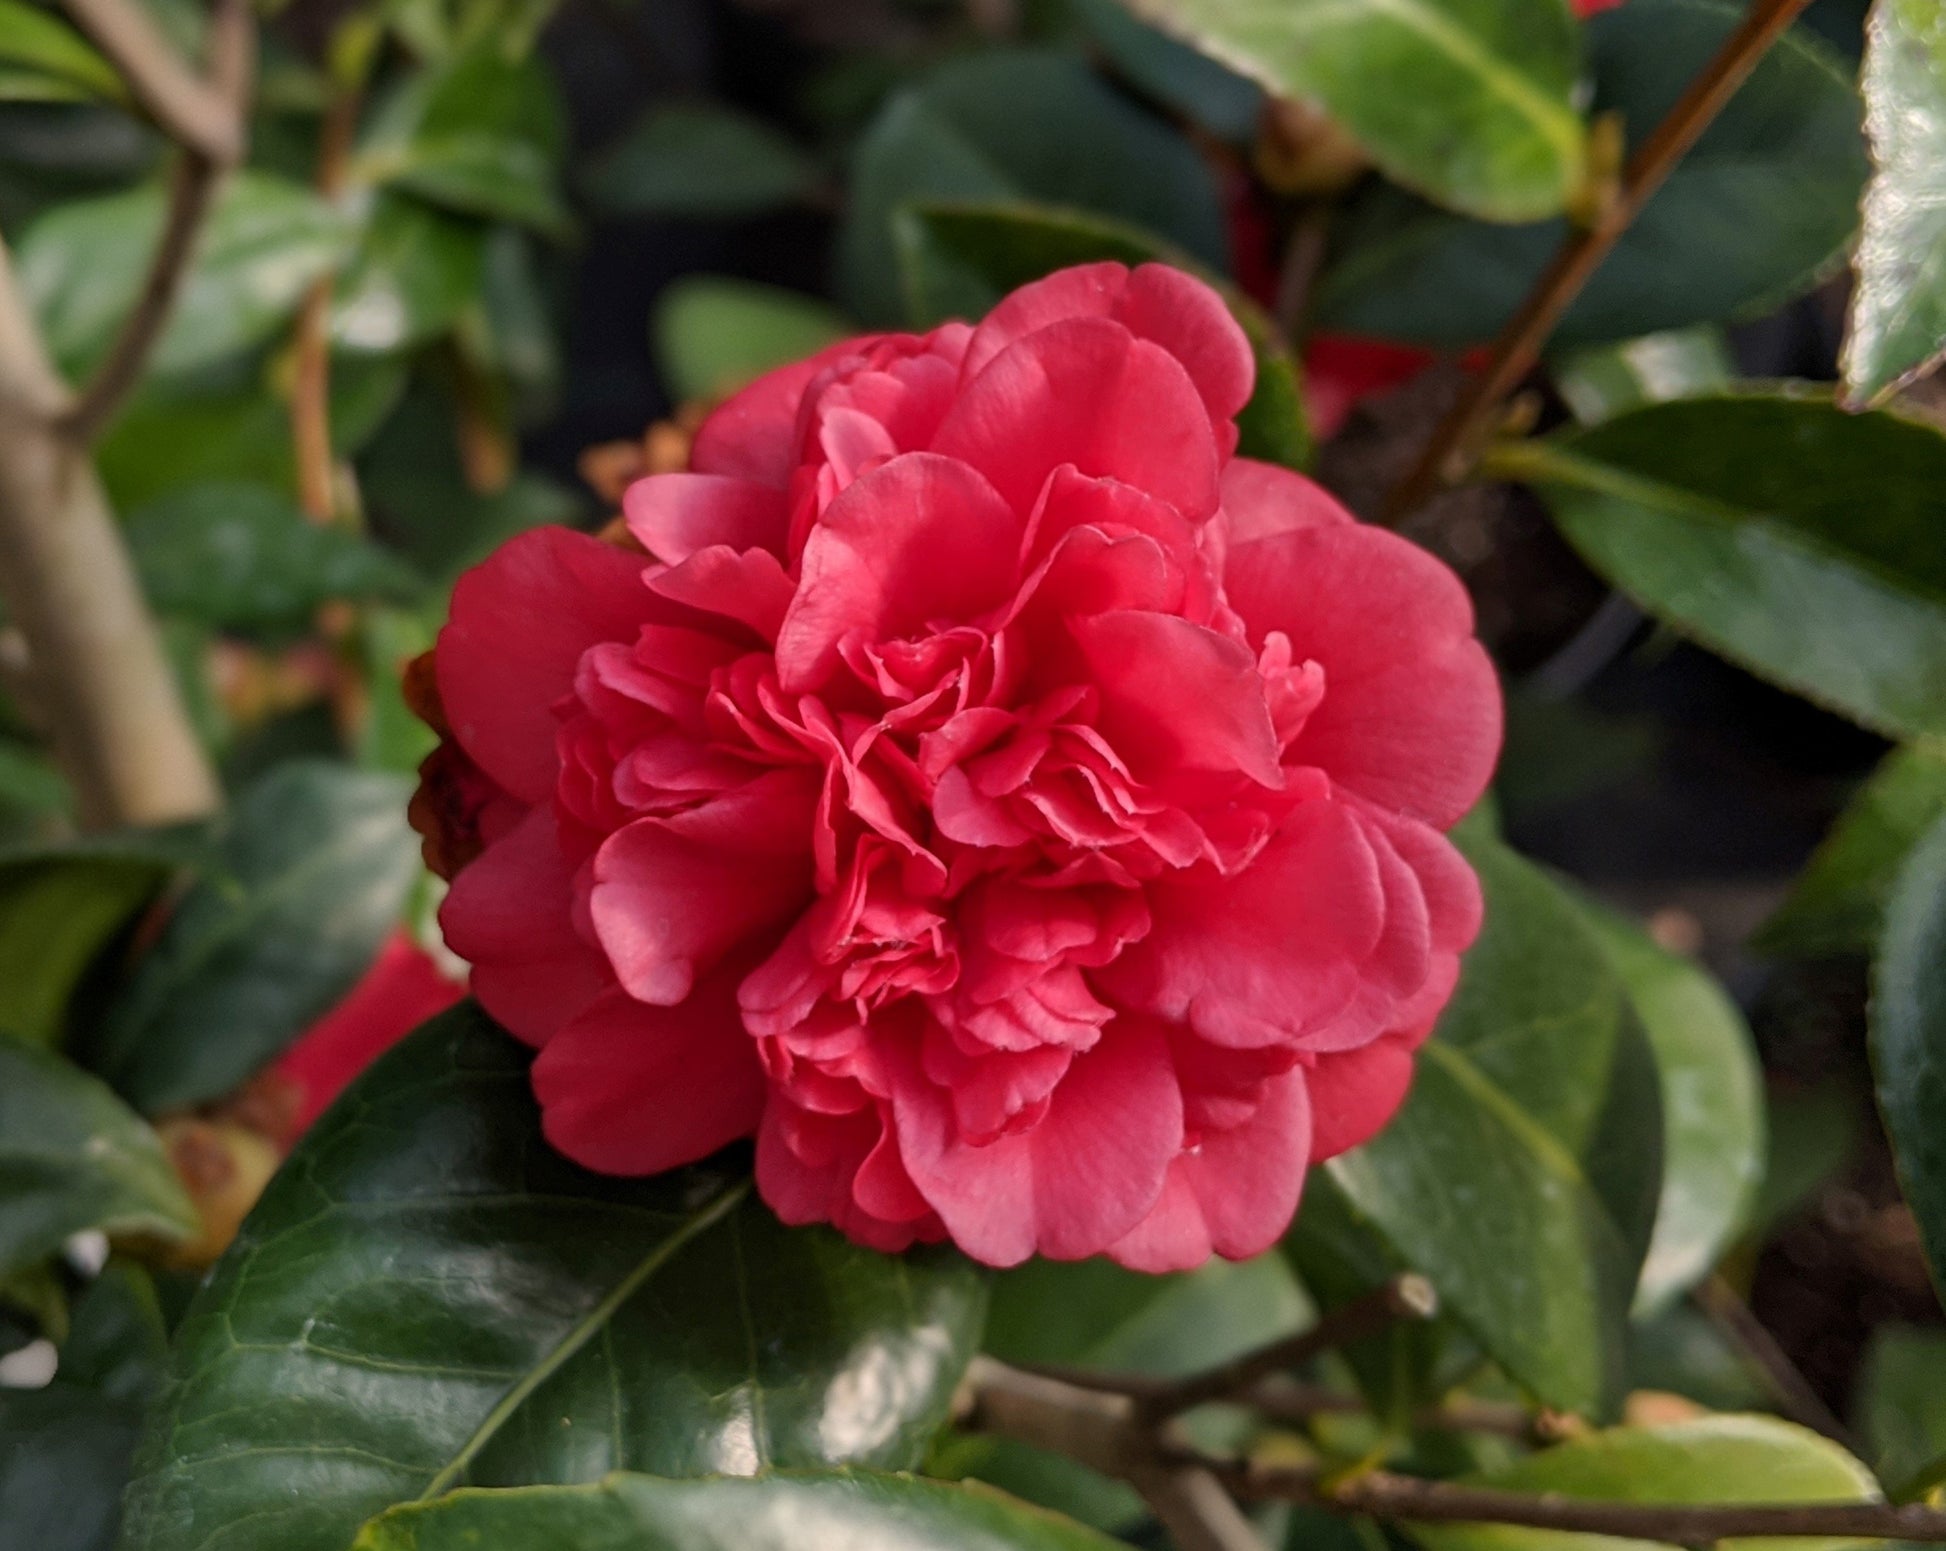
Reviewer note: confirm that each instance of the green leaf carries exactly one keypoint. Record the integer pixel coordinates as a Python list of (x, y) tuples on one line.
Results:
[(1008, 125), (65, 1449), (1173, 73), (1765, 203), (1530, 1138), (714, 334), (480, 133), (961, 259), (416, 269), (1908, 1037), (1837, 904), (45, 46), (244, 557), (1604, 381), (73, 1157), (1712, 1109), (1714, 1459), (320, 861), (1898, 309), (1470, 102), (852, 1511), (1769, 556), (703, 160), (1901, 1406), (429, 1296), (82, 266)]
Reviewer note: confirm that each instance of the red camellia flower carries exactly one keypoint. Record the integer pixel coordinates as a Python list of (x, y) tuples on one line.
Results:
[(1022, 814)]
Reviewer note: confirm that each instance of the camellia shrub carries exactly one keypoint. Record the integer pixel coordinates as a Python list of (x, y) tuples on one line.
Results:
[(1017, 776)]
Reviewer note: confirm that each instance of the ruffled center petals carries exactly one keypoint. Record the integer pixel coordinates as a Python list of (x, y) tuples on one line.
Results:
[(918, 540), (674, 515), (747, 586), (1067, 1187), (1086, 392), (1178, 697), (673, 895), (519, 626), (632, 1089)]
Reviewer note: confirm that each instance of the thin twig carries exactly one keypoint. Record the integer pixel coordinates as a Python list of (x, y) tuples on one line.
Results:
[(1450, 452), (1406, 1297), (197, 114), (1788, 1386), (1107, 1433), (205, 156), (1196, 1509), (1282, 1399), (311, 380)]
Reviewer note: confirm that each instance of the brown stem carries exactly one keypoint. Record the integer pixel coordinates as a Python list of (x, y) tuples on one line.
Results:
[(311, 385), (1449, 454), (93, 659), (1107, 1433), (198, 115), (192, 191), (1788, 1386), (1404, 1297)]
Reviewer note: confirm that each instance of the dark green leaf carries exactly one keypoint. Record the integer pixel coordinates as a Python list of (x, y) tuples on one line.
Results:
[(1714, 1459), (846, 1512), (1769, 555), (1009, 125), (1712, 1108), (1908, 1037), (118, 1344), (1901, 1406), (82, 266), (64, 1456), (713, 334), (961, 259), (1604, 381), (428, 1296), (45, 46), (481, 133), (701, 159), (73, 1157), (1175, 74), (1682, 1351), (320, 861), (1468, 101), (1813, 1133), (1837, 904), (30, 783), (1898, 310), (1766, 201), (244, 557), (415, 270), (1530, 1138), (56, 917)]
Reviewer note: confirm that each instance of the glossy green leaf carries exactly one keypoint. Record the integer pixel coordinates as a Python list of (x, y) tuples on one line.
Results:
[(415, 270), (703, 160), (319, 861), (1604, 381), (243, 557), (1766, 201), (1714, 1459), (1712, 1108), (853, 1511), (1769, 556), (1837, 904), (1908, 1037), (56, 918), (429, 1296), (1009, 125), (1901, 1407), (1898, 309), (714, 334), (1530, 1138), (73, 1157), (1201, 88), (41, 44), (1468, 101), (480, 133), (961, 259), (83, 264)]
